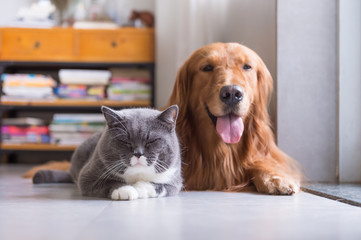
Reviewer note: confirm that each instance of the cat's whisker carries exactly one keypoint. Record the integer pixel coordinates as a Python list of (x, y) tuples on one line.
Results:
[(109, 171), (159, 166)]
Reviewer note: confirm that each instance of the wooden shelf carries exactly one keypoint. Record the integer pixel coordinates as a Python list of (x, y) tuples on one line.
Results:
[(37, 147), (75, 103)]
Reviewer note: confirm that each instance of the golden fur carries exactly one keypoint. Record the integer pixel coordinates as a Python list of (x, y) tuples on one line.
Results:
[(209, 163)]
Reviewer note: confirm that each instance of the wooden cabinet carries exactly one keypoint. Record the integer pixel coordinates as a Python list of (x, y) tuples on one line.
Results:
[(66, 44), (48, 50), (123, 46), (32, 45)]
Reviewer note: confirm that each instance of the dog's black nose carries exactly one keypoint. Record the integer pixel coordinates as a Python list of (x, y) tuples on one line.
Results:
[(231, 94)]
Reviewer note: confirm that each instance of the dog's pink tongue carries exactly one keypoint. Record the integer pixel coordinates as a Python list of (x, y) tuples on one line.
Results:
[(230, 128)]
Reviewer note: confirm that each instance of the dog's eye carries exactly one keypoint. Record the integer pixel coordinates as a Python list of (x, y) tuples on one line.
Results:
[(207, 68), (247, 67)]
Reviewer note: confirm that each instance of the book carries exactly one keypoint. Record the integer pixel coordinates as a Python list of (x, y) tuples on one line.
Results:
[(131, 91), (84, 127), (31, 134), (78, 118), (80, 91), (27, 80), (84, 77), (130, 73), (69, 138), (23, 121), (28, 86)]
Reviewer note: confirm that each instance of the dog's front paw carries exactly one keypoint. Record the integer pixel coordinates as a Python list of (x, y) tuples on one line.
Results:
[(125, 193), (273, 184)]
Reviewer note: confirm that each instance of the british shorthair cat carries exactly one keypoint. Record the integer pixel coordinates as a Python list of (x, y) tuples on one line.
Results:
[(136, 156)]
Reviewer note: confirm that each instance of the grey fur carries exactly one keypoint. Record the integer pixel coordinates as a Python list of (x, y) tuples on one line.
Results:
[(99, 164)]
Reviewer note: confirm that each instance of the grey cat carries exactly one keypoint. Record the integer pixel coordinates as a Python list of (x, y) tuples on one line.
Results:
[(137, 156)]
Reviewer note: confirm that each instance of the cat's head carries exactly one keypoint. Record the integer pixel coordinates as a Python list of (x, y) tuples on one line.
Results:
[(140, 139)]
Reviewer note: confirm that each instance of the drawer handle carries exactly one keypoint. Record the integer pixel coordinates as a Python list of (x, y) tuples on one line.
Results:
[(114, 44), (37, 44)]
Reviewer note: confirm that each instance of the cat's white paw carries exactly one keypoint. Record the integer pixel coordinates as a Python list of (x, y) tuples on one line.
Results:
[(145, 190), (125, 193)]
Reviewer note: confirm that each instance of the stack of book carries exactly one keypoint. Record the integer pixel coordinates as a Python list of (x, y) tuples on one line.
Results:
[(73, 129), (24, 130), (82, 84), (129, 84), (27, 86)]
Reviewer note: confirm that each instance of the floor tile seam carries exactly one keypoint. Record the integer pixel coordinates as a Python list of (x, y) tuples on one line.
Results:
[(89, 223)]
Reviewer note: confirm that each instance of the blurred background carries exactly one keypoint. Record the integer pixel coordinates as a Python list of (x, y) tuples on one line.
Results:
[(311, 47)]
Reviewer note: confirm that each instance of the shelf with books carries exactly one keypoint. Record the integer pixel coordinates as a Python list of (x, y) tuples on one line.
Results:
[(119, 50), (36, 147), (74, 103)]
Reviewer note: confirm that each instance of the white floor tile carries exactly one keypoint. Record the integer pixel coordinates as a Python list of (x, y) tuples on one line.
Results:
[(59, 212)]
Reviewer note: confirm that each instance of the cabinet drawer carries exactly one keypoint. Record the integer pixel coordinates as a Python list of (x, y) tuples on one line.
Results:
[(126, 45), (39, 44)]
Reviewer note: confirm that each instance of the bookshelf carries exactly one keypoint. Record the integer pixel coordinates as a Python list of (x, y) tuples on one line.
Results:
[(46, 51), (71, 103), (36, 147)]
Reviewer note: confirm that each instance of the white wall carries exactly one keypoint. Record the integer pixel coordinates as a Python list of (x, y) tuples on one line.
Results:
[(166, 67), (350, 90), (9, 9), (307, 85)]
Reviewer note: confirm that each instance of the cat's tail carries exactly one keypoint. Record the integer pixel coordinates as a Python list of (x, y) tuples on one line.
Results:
[(52, 176)]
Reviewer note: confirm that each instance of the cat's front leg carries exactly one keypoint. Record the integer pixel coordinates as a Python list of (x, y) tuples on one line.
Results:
[(138, 190), (145, 189), (126, 192), (165, 190)]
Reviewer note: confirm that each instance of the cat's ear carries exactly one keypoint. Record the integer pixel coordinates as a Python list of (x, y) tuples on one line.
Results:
[(112, 118), (169, 116)]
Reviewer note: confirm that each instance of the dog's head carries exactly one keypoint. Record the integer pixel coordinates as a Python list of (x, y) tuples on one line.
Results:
[(227, 83)]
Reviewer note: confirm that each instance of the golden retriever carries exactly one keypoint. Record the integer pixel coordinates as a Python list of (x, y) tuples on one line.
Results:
[(222, 91)]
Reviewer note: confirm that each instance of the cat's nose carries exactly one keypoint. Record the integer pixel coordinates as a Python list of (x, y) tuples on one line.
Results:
[(138, 152)]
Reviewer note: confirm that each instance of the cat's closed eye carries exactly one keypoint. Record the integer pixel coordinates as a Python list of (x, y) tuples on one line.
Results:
[(156, 142), (125, 143)]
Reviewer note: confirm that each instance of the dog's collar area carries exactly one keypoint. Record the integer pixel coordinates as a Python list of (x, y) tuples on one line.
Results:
[(211, 116)]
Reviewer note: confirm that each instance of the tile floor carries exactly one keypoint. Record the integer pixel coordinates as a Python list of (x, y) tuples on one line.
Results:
[(346, 192), (59, 212)]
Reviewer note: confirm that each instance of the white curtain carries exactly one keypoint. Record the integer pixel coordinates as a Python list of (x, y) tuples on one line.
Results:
[(182, 26), (199, 22)]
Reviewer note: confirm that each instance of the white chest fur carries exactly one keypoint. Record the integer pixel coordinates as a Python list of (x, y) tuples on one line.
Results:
[(148, 174)]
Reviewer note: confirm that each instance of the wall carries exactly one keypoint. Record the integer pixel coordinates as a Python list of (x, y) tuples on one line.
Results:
[(307, 84), (350, 90), (166, 68), (8, 12)]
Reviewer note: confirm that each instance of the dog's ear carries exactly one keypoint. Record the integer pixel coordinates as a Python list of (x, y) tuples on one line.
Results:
[(264, 84), (258, 134)]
